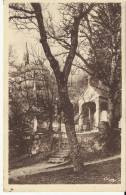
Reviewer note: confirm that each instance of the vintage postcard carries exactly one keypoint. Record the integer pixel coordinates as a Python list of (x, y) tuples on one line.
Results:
[(64, 102)]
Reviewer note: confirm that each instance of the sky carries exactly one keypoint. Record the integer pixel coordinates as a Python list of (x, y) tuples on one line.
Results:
[(18, 41), (18, 38)]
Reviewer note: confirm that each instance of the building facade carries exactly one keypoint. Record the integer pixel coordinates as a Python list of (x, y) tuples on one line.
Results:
[(93, 106)]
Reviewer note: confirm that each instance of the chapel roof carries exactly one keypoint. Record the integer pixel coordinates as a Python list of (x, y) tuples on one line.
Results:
[(93, 91)]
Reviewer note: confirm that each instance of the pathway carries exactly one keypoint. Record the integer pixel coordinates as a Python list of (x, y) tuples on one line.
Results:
[(48, 167)]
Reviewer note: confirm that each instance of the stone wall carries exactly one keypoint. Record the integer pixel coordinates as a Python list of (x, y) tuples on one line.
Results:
[(42, 143), (89, 141), (94, 141)]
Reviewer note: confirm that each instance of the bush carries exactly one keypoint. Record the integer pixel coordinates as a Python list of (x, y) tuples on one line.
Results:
[(110, 138)]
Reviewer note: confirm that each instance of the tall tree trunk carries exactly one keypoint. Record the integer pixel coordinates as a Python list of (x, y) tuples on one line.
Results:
[(50, 121), (112, 113), (59, 129), (62, 77), (111, 135), (68, 111)]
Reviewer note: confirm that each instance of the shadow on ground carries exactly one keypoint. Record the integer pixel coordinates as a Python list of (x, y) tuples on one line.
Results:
[(103, 173)]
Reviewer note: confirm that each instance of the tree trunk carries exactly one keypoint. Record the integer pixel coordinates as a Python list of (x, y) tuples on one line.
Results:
[(112, 121), (59, 130), (50, 122), (68, 111)]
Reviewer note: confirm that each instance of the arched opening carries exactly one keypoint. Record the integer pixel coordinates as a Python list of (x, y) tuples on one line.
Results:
[(88, 110), (104, 111)]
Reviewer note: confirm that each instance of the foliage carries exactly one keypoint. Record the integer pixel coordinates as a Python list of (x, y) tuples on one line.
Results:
[(79, 34), (31, 93), (61, 76)]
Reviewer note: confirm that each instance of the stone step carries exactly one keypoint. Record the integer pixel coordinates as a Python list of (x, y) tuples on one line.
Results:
[(59, 157), (64, 144), (64, 151), (56, 160)]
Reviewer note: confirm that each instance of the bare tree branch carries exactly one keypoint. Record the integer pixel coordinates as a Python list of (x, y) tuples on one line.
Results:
[(74, 38), (17, 8), (21, 17), (53, 62)]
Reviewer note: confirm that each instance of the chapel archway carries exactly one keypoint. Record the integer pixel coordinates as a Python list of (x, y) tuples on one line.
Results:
[(88, 110)]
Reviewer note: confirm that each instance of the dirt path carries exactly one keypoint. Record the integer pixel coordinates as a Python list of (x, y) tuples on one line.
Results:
[(48, 167)]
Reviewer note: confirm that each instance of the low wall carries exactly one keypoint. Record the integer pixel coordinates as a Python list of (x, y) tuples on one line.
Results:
[(89, 141), (41, 144), (30, 144), (95, 141)]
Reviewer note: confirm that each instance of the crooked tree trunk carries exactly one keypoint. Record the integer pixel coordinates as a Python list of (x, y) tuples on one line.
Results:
[(68, 111), (62, 77), (112, 136)]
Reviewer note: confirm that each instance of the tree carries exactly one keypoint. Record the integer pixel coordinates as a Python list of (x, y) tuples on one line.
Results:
[(100, 35), (31, 101), (61, 76), (104, 37), (24, 79)]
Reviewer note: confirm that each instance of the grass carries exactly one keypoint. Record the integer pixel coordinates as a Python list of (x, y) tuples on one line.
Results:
[(103, 173), (27, 160)]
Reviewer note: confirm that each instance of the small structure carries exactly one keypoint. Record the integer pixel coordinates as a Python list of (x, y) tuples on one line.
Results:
[(93, 105)]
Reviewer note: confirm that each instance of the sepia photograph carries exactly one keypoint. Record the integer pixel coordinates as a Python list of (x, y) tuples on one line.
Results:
[(65, 120)]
